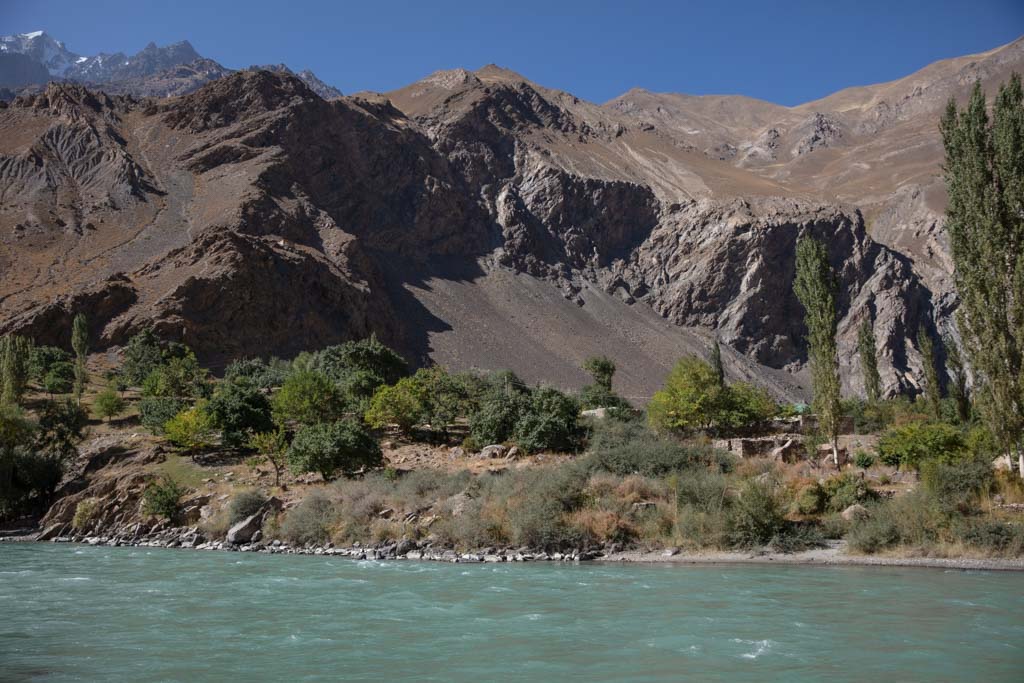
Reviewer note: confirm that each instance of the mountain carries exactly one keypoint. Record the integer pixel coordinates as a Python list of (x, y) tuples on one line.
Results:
[(478, 219), (32, 59)]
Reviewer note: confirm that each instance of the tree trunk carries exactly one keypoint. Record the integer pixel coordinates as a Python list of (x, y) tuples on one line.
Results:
[(1020, 463), (835, 451)]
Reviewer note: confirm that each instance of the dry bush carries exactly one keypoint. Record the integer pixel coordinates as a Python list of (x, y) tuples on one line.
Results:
[(603, 526)]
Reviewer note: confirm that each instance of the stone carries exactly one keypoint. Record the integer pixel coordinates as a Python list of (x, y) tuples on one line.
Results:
[(513, 453), (246, 529), (855, 512), (493, 451)]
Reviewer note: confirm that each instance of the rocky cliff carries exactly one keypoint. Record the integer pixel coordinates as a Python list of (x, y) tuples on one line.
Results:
[(475, 218)]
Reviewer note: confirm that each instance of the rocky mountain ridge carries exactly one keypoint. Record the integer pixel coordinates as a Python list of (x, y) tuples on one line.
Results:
[(472, 218)]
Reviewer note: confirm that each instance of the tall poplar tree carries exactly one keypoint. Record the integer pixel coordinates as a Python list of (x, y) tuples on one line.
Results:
[(716, 364), (80, 344), (958, 389), (930, 370), (15, 358), (984, 173), (815, 286), (868, 352)]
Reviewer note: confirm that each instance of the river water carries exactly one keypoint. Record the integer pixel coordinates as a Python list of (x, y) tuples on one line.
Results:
[(71, 612)]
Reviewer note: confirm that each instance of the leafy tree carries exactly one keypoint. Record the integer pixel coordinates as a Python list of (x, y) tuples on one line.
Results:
[(238, 409), (601, 369), (163, 499), (80, 344), (549, 421), (257, 372), (716, 363), (984, 173), (745, 406), (142, 355), (596, 396), (400, 405), (180, 377), (328, 448), (958, 389), (815, 286), (272, 446), (108, 403), (154, 412), (44, 358), (867, 349), (691, 399), (15, 357), (308, 397), (60, 427), (929, 363), (359, 368), (913, 443), (190, 430), (59, 378)]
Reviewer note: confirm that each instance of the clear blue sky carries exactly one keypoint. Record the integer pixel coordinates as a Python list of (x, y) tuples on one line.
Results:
[(785, 52)]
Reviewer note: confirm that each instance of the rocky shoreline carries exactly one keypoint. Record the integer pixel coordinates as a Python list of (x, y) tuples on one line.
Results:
[(834, 554)]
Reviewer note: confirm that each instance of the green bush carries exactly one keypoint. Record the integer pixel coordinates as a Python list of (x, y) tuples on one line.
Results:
[(863, 459), (957, 487), (310, 521), (258, 373), (845, 490), (628, 447), (910, 520), (239, 410), (191, 429), (108, 404), (85, 512), (163, 499), (343, 446), (495, 420), (810, 500), (59, 378), (403, 405), (550, 421), (308, 398), (755, 516), (703, 489), (178, 377), (992, 536), (42, 359), (913, 443), (155, 412), (245, 504), (143, 354)]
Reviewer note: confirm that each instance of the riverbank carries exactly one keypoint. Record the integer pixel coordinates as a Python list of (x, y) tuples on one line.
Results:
[(835, 554)]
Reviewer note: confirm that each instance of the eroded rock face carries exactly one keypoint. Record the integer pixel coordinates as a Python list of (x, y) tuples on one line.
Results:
[(253, 217)]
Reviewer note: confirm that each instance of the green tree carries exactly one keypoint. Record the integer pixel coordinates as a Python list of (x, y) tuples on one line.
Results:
[(142, 355), (690, 400), (108, 403), (550, 421), (815, 286), (958, 388), (190, 430), (912, 444), (15, 359), (716, 363), (80, 344), (59, 378), (328, 448), (929, 366), (867, 349), (984, 173), (272, 447), (601, 369), (401, 405), (308, 397), (44, 358), (180, 377), (237, 410)]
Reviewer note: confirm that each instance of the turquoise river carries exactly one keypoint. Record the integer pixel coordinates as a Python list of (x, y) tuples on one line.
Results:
[(80, 613)]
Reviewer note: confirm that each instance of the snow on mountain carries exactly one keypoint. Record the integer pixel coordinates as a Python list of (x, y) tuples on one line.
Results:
[(40, 46)]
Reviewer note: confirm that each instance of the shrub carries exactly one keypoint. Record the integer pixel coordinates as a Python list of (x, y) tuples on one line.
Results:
[(142, 355), (957, 487), (163, 499), (550, 421), (190, 429), (108, 404), (238, 410), (915, 442), (810, 500), (755, 516), (178, 377), (310, 521), (245, 504), (863, 459), (343, 446), (308, 398), (845, 490), (85, 512), (59, 378), (42, 359), (631, 447), (992, 536), (155, 412), (703, 490), (257, 372), (911, 520), (402, 404), (271, 447), (495, 420)]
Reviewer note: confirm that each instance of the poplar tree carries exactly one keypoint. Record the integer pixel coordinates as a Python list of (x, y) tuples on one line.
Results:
[(929, 368), (984, 173), (958, 389), (868, 351), (815, 286), (15, 361), (716, 364), (80, 344)]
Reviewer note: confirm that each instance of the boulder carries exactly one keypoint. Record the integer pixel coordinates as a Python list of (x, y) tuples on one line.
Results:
[(855, 512), (493, 451), (246, 529)]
